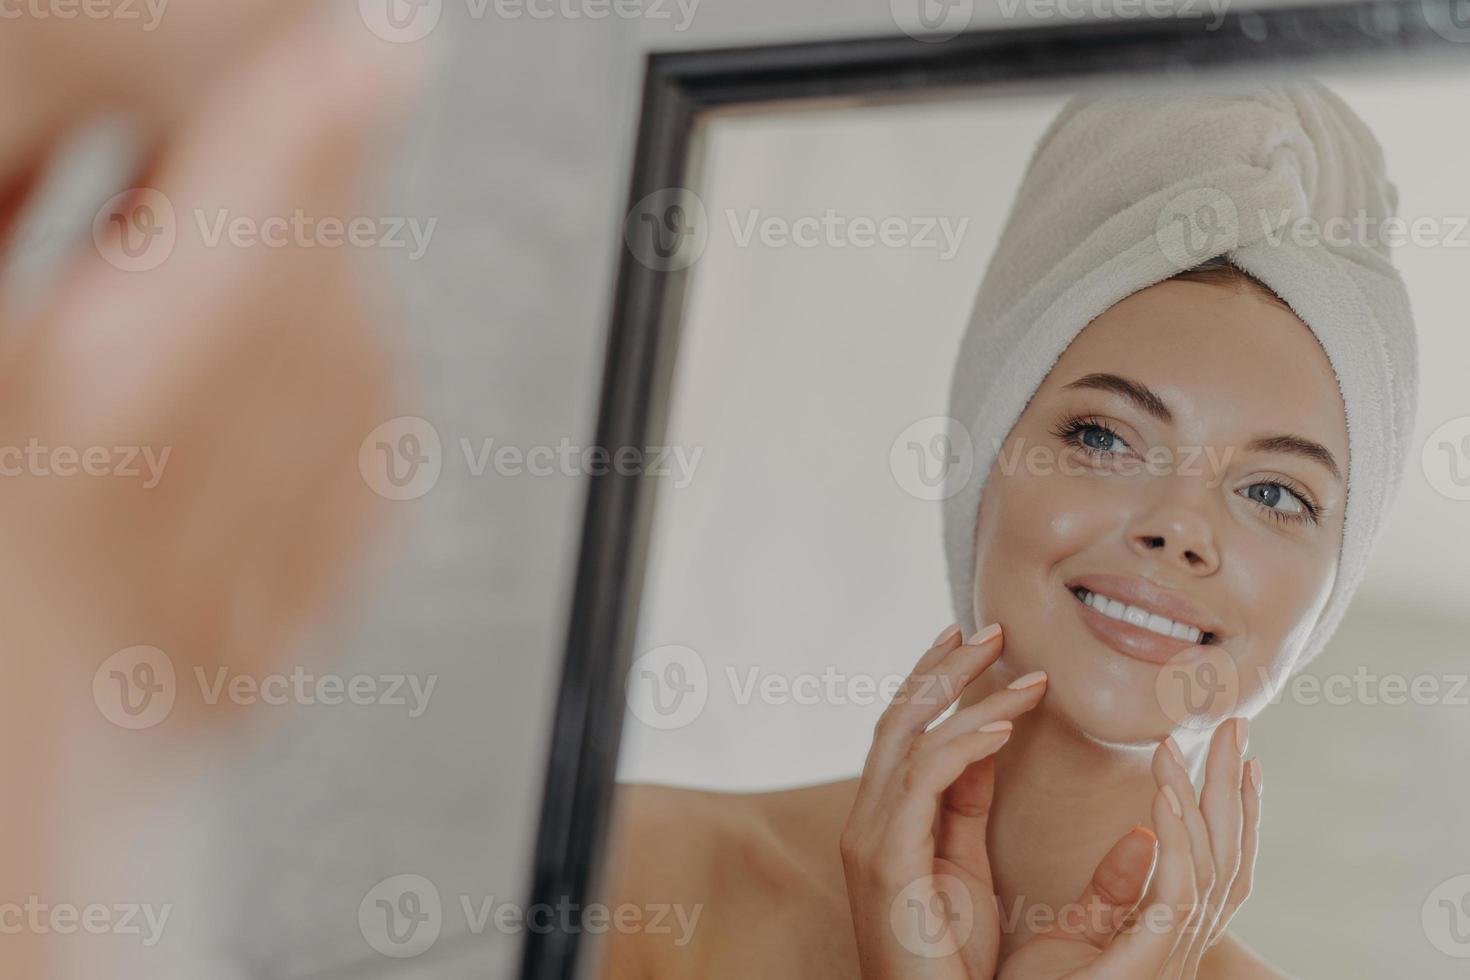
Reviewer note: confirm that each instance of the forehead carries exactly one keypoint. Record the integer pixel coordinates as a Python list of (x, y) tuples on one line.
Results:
[(1225, 360)]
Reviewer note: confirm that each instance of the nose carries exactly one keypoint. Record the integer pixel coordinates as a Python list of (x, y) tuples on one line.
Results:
[(1178, 532)]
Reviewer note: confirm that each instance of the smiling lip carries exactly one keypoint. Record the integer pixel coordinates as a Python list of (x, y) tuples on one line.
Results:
[(1135, 641)]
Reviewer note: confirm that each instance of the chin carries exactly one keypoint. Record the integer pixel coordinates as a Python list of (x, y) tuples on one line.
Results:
[(1101, 694), (1108, 702), (1114, 683)]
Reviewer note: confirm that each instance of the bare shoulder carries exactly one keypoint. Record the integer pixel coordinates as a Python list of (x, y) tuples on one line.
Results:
[(660, 847), (662, 837), (699, 859), (1231, 959)]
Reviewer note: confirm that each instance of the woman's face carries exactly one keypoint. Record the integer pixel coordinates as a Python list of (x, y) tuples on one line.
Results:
[(1205, 496)]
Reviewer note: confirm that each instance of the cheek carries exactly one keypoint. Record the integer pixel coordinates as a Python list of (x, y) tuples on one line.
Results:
[(1031, 521), (1280, 588)]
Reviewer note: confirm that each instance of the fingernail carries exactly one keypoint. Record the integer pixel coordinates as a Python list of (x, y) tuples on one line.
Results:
[(1242, 734), (948, 634), (1173, 748), (996, 726), (1145, 831), (1253, 769), (988, 633), (1173, 800), (1027, 680)]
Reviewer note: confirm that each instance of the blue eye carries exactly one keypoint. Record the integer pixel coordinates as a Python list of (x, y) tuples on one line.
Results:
[(1105, 436), (1091, 436), (1298, 508), (1281, 500)]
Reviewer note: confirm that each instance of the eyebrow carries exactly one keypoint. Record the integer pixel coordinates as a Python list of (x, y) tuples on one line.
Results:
[(1147, 401)]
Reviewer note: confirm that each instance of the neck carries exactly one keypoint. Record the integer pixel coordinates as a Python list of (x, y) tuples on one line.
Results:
[(1061, 801)]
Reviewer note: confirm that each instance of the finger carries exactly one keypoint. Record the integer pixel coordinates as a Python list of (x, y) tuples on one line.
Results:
[(1169, 771), (255, 146), (909, 832), (255, 341), (950, 632), (964, 820), (1116, 887), (946, 641), (872, 784), (930, 689), (59, 69), (964, 813), (1250, 839), (1143, 949), (1021, 695), (1220, 803), (923, 697)]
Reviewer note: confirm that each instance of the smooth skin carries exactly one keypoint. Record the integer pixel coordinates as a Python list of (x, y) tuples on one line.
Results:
[(922, 809), (750, 873), (1072, 809)]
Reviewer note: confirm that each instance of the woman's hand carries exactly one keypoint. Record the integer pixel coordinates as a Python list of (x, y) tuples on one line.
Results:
[(252, 371), (1207, 853), (249, 370), (913, 851)]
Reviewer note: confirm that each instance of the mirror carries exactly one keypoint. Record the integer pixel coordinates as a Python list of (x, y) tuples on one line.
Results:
[(817, 265)]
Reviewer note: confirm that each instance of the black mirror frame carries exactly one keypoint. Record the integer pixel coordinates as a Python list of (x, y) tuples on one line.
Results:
[(643, 332)]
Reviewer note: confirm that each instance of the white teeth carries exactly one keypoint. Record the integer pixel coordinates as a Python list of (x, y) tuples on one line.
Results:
[(1152, 622)]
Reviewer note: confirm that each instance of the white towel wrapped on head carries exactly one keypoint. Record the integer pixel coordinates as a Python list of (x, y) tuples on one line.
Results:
[(1124, 191)]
